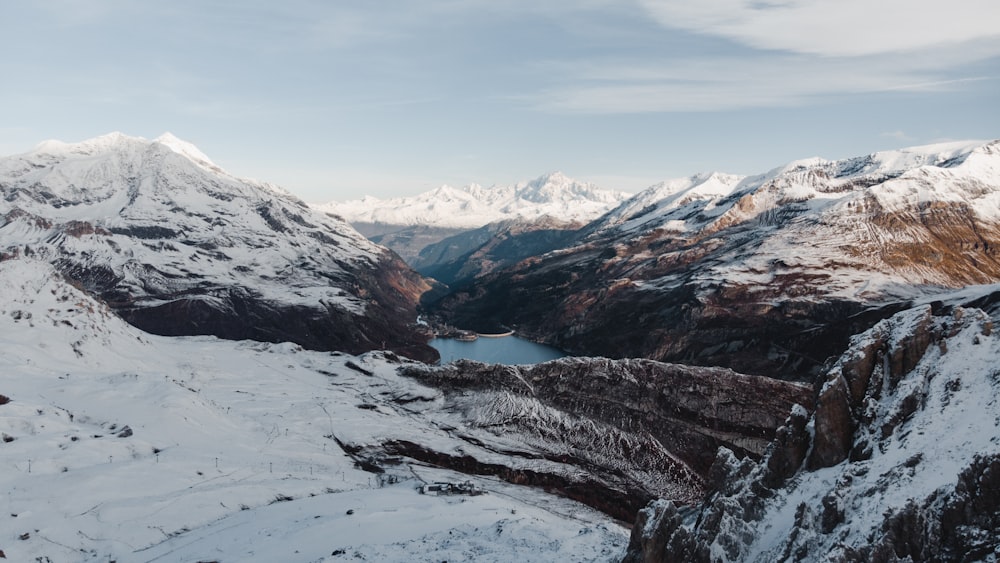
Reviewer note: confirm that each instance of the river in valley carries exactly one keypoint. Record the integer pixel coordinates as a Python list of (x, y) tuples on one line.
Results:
[(507, 350)]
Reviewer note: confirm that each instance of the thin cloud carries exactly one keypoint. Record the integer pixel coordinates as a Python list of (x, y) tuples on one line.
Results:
[(793, 53), (733, 82), (939, 85), (834, 27), (897, 135)]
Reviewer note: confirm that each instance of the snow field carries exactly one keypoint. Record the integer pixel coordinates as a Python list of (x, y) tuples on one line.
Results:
[(231, 455)]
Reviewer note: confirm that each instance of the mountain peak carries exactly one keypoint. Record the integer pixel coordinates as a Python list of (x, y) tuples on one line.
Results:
[(473, 206), (183, 148), (89, 146), (114, 137), (118, 141), (556, 177)]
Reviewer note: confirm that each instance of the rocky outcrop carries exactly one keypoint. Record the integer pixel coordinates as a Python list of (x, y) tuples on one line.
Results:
[(643, 428), (842, 399), (898, 462), (621, 502)]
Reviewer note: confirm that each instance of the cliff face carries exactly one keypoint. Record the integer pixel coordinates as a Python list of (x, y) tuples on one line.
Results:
[(899, 460), (769, 274), (641, 427)]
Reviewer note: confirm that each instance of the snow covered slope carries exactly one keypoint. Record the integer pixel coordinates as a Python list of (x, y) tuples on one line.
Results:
[(894, 213), (123, 446), (767, 274), (178, 246), (900, 461), (473, 206)]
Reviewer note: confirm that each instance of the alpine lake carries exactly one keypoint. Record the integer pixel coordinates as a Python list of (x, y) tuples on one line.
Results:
[(510, 350)]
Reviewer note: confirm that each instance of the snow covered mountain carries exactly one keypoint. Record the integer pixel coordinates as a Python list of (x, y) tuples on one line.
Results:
[(474, 206), (121, 445), (459, 217), (899, 462), (887, 208), (767, 274), (118, 445), (178, 246)]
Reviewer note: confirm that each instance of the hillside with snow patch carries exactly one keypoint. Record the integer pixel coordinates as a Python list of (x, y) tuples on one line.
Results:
[(178, 246)]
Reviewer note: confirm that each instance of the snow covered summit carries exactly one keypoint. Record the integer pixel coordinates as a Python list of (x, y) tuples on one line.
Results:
[(473, 206), (177, 245)]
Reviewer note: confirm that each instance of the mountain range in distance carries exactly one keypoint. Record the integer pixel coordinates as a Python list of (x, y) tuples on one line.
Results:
[(766, 274), (408, 225), (473, 206)]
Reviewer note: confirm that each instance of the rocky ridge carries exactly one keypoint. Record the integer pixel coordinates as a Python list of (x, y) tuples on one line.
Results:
[(472, 254), (634, 429), (899, 461)]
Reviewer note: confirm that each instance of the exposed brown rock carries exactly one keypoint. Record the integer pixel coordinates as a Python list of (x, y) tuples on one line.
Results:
[(83, 228), (656, 426), (834, 425), (691, 410), (841, 396), (788, 450)]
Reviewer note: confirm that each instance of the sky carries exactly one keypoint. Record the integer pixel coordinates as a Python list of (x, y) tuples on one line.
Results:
[(337, 100)]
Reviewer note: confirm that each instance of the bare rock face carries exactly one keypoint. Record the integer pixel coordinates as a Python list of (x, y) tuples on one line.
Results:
[(842, 398), (899, 461), (645, 428)]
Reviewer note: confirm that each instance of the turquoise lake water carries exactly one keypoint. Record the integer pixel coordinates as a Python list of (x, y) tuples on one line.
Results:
[(507, 350)]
